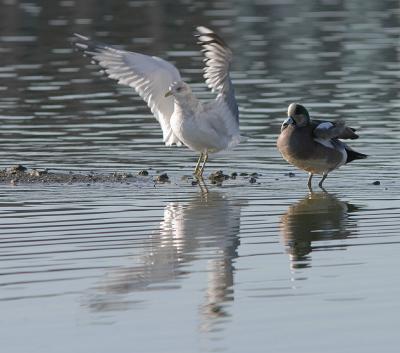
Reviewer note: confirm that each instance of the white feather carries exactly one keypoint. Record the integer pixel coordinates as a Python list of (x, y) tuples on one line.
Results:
[(150, 76)]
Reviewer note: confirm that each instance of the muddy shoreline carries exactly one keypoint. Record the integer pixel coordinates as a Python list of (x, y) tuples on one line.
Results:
[(19, 174)]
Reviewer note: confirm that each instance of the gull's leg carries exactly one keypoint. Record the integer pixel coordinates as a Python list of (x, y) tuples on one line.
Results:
[(322, 180), (310, 175), (196, 170), (204, 164), (203, 186)]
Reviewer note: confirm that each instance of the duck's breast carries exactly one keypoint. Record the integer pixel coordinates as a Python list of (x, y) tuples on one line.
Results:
[(298, 147)]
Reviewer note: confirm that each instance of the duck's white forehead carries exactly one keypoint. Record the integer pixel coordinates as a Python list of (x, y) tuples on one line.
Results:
[(292, 109)]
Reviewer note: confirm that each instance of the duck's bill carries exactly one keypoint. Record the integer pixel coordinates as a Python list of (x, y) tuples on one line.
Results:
[(289, 121), (169, 93)]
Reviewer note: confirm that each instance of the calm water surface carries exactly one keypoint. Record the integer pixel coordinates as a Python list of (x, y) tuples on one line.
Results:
[(166, 268)]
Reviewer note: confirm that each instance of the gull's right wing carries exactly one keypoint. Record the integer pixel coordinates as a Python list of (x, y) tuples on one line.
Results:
[(150, 76)]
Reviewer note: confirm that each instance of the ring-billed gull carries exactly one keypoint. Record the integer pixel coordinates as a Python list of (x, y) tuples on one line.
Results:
[(203, 127), (314, 145)]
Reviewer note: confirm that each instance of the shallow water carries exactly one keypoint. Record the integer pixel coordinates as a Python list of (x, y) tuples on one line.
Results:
[(165, 267)]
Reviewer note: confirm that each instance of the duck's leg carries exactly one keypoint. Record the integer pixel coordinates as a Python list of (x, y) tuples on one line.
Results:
[(204, 164), (196, 170), (310, 175), (322, 180)]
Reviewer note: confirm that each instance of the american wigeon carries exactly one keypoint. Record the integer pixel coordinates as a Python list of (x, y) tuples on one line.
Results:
[(314, 145)]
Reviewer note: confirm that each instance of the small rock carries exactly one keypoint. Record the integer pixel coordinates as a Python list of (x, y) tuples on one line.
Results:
[(194, 182), (234, 175), (143, 173), (125, 175), (218, 177), (13, 182), (186, 177), (377, 182), (290, 174), (244, 174), (16, 168), (37, 173), (163, 178), (34, 173), (255, 175), (252, 180)]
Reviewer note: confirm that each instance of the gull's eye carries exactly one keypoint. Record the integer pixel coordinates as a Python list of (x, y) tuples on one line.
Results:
[(179, 89)]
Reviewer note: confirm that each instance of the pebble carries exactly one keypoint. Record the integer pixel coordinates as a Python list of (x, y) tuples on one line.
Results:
[(16, 168), (38, 173), (163, 178), (377, 182), (218, 177), (143, 173)]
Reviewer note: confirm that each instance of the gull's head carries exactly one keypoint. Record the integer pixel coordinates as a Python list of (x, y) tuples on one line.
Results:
[(179, 90), (297, 116)]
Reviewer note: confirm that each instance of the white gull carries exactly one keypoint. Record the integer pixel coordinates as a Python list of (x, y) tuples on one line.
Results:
[(207, 127)]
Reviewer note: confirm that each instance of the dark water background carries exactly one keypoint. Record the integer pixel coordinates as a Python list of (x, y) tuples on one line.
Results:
[(248, 267)]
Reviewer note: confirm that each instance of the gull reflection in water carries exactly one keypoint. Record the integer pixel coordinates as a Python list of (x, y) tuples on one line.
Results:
[(204, 228), (319, 216)]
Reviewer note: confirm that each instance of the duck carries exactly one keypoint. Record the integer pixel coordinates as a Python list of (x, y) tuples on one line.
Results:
[(315, 146)]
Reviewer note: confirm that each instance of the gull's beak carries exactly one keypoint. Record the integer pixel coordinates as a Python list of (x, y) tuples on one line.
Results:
[(169, 93)]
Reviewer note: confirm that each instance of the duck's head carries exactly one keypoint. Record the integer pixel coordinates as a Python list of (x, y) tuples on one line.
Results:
[(178, 89), (297, 116)]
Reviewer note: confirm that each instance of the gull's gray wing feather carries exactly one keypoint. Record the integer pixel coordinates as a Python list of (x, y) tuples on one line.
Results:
[(150, 76), (217, 60)]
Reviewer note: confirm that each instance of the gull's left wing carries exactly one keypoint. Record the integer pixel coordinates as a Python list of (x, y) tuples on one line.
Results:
[(217, 60)]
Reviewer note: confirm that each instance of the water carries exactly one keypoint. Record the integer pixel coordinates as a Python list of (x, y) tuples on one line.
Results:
[(151, 268)]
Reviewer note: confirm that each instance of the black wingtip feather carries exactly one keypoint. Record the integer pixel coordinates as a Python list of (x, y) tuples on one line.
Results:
[(353, 155)]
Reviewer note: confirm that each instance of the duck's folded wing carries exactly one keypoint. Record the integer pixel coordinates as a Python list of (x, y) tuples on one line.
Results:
[(338, 130), (217, 60), (150, 76)]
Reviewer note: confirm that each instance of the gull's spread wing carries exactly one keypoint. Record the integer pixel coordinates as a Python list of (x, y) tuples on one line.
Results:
[(217, 60), (150, 76)]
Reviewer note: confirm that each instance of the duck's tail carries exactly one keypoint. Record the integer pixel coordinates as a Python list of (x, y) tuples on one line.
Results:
[(352, 155)]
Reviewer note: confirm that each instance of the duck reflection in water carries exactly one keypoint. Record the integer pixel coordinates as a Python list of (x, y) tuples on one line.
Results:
[(204, 228), (319, 216)]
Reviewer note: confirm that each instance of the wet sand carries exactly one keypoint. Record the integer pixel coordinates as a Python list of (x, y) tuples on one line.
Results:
[(19, 174)]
